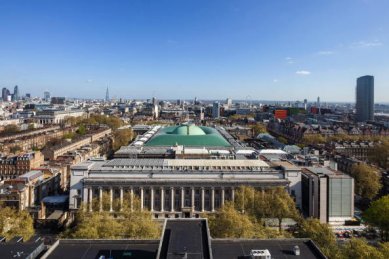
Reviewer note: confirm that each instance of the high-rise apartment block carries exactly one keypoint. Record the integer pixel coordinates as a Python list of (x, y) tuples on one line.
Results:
[(46, 96), (365, 99), (216, 110)]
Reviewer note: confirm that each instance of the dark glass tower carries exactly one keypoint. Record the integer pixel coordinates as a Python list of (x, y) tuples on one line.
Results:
[(365, 99)]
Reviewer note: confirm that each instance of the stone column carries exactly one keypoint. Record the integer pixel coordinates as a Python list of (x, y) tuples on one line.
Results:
[(132, 198), (182, 197), (222, 196), (172, 199), (121, 198), (110, 199), (85, 198), (202, 199), (151, 199), (213, 199), (233, 194), (90, 199), (141, 198), (162, 196), (193, 198), (101, 198)]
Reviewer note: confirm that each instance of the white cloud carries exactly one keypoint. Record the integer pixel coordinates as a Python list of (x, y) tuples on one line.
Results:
[(325, 53), (275, 80), (303, 72), (367, 44), (89, 81), (290, 60)]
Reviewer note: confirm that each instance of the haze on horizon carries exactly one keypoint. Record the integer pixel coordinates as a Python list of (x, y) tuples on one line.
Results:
[(267, 50)]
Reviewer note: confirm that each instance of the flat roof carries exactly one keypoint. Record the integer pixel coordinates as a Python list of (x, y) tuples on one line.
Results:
[(78, 248), (278, 248), (11, 250), (185, 236)]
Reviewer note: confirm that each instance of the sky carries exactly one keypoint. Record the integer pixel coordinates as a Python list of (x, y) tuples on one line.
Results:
[(209, 49)]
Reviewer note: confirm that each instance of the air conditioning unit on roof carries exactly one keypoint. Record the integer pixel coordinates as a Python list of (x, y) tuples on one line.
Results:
[(260, 254)]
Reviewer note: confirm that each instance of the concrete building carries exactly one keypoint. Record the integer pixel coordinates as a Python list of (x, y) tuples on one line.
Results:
[(216, 110), (365, 99), (46, 96), (327, 195), (56, 116), (5, 93), (183, 184)]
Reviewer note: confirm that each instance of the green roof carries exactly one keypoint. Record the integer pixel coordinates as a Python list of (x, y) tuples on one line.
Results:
[(188, 135)]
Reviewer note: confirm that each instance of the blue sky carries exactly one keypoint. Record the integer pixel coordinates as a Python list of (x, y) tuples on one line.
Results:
[(259, 49)]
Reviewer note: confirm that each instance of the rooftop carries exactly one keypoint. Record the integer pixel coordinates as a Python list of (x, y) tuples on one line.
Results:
[(188, 135), (183, 238)]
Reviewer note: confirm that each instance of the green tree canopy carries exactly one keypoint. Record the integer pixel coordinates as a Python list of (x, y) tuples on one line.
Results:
[(360, 249), (280, 205), (321, 234), (367, 180), (15, 223), (128, 223), (11, 129), (121, 138), (313, 139), (272, 203), (229, 223), (377, 215), (380, 155), (259, 128)]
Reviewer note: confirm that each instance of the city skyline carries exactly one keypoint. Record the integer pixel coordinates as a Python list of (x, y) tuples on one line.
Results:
[(174, 49)]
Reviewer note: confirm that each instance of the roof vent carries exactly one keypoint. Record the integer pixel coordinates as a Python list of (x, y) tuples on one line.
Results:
[(260, 254), (296, 250)]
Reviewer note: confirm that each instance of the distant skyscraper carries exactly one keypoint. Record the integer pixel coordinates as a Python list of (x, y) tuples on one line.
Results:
[(365, 99), (16, 93), (318, 104), (154, 101), (46, 96), (229, 102), (107, 95), (216, 110), (4, 94), (305, 104)]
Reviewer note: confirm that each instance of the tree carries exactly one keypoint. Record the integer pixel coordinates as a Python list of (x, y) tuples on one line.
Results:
[(282, 140), (377, 215), (259, 128), (321, 234), (122, 138), (384, 248), (229, 223), (139, 224), (280, 205), (379, 155), (313, 139), (367, 180), (31, 126), (81, 129), (128, 223), (15, 223), (11, 129), (360, 249), (15, 149), (245, 201)]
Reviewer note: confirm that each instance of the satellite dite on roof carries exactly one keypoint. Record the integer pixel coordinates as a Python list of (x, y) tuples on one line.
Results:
[(260, 254)]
